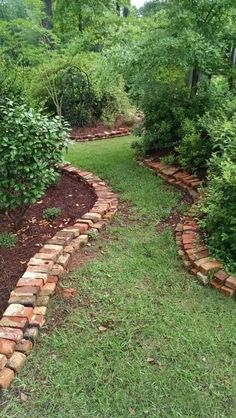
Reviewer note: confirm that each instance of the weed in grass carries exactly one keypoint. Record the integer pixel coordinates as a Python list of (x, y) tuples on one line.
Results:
[(7, 240), (51, 213)]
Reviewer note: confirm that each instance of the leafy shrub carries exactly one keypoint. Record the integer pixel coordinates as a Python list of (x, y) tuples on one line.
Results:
[(84, 92), (218, 204), (165, 107), (195, 147), (30, 147), (203, 135), (51, 213), (7, 240)]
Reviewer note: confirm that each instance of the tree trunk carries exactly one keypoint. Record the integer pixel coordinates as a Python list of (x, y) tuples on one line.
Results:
[(118, 9), (126, 11), (233, 60), (192, 80), (47, 21)]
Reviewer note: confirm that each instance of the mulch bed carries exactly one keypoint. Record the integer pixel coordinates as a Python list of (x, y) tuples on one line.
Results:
[(98, 129), (73, 197)]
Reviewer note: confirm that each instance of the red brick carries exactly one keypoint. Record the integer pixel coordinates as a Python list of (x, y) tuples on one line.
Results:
[(24, 346), (14, 322), (6, 378), (227, 291), (46, 255), (30, 282), (210, 266), (231, 282), (40, 262), (215, 284), (19, 310), (221, 275), (28, 300), (12, 334), (201, 254), (82, 227), (48, 289), (17, 361), (39, 269), (3, 361), (25, 291), (38, 321), (53, 279), (7, 347)]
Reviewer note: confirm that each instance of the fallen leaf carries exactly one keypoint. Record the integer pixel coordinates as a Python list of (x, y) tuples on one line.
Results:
[(151, 360), (102, 329), (132, 411), (23, 397)]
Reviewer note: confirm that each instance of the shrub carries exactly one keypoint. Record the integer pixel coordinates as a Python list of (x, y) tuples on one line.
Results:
[(30, 147), (51, 213), (218, 205), (203, 135), (84, 91), (7, 240), (195, 147)]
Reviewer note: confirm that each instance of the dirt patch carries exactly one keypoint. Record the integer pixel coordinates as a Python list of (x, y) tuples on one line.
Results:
[(72, 197)]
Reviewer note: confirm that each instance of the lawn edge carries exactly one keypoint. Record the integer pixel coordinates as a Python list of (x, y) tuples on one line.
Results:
[(27, 306), (191, 247)]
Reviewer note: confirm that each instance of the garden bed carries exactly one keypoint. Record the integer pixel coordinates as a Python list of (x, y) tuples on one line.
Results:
[(72, 196)]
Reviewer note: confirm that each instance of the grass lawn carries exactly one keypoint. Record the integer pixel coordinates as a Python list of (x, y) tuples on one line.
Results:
[(137, 289)]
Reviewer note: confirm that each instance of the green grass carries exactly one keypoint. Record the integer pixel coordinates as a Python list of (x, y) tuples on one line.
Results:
[(137, 289)]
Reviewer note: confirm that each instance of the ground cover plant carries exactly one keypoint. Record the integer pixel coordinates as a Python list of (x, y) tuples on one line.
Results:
[(142, 338)]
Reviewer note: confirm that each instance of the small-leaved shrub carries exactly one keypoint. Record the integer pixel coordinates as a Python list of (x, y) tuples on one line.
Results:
[(51, 213), (7, 240)]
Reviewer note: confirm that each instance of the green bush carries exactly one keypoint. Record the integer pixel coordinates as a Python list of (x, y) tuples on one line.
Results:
[(165, 108), (85, 90), (51, 213), (203, 135), (218, 205), (30, 147), (195, 147), (7, 240)]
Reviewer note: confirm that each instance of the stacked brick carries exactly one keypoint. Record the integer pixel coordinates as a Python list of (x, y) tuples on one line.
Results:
[(28, 302), (103, 135), (191, 247)]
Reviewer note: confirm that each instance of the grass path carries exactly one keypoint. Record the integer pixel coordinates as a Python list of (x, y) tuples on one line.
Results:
[(137, 288)]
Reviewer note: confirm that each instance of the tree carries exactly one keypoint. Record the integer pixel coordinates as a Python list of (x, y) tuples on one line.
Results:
[(47, 20)]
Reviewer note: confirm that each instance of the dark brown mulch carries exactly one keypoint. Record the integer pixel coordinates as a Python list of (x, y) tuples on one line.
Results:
[(99, 128), (73, 197)]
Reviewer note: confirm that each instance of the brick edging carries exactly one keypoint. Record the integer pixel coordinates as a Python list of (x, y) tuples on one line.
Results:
[(95, 137), (27, 306), (190, 244)]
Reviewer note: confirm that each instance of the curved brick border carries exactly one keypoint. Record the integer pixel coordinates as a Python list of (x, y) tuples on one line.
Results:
[(28, 302), (104, 135), (188, 239)]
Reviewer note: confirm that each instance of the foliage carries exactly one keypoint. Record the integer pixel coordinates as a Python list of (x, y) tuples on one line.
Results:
[(92, 235), (150, 306), (7, 240), (218, 203), (51, 213), (30, 147), (84, 90)]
